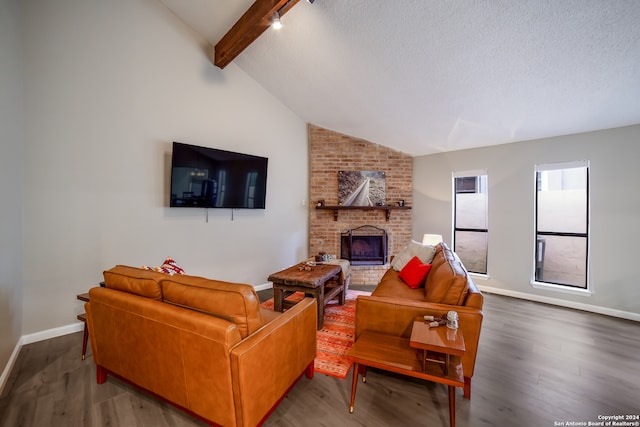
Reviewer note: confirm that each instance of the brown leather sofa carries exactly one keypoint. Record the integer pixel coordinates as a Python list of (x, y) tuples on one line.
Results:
[(203, 345), (393, 306)]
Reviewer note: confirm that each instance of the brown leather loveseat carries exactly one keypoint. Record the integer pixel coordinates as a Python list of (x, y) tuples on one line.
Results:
[(393, 306), (203, 345)]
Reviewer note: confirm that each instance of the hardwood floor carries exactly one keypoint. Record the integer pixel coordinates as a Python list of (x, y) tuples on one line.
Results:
[(537, 365)]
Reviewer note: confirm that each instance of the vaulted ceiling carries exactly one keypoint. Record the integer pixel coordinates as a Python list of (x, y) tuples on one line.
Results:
[(426, 76)]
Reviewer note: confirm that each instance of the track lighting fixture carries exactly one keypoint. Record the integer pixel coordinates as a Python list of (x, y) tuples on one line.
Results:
[(261, 15), (275, 21)]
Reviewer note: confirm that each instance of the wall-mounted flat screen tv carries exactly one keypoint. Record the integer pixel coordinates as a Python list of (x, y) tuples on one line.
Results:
[(204, 177)]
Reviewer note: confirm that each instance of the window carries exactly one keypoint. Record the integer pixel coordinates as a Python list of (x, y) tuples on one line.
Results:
[(562, 224), (467, 184), (470, 220)]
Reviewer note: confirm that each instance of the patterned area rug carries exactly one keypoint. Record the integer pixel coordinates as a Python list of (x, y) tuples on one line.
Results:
[(336, 336)]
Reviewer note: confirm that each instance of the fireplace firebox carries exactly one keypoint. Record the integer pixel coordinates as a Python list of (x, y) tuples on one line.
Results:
[(365, 245)]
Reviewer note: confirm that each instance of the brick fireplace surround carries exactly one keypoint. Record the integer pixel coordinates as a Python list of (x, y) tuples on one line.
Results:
[(330, 152)]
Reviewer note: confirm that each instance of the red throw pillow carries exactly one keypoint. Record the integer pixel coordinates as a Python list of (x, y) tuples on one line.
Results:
[(414, 273)]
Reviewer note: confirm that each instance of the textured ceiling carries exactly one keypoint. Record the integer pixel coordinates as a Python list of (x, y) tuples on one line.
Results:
[(426, 76)]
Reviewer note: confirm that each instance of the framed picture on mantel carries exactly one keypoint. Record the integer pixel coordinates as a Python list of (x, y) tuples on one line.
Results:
[(362, 188)]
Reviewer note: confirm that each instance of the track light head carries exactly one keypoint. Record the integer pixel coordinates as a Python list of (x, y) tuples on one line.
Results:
[(275, 21)]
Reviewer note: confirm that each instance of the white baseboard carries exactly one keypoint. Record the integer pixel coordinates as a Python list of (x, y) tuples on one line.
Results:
[(7, 369), (263, 287), (35, 337), (563, 303), (52, 333)]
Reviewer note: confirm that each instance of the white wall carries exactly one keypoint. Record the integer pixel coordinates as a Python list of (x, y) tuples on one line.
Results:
[(11, 187), (109, 86), (615, 211)]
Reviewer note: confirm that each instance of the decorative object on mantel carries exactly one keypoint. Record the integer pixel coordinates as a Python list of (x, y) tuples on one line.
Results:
[(361, 188), (387, 209)]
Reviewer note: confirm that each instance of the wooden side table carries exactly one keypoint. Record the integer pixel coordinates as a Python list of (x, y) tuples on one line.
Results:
[(83, 318), (395, 354), (440, 340)]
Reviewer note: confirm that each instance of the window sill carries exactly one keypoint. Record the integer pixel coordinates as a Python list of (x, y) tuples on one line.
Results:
[(562, 289), (479, 276)]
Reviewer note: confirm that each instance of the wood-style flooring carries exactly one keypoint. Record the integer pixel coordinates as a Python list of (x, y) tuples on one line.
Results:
[(538, 365)]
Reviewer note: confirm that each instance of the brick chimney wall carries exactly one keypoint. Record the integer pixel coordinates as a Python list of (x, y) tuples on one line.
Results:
[(330, 152)]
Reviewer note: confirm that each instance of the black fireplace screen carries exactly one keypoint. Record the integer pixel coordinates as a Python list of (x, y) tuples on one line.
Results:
[(365, 245)]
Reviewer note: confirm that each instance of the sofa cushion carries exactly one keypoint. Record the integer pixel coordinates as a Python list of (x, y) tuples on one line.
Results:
[(237, 303), (447, 283), (392, 286), (414, 273), (424, 252), (134, 281)]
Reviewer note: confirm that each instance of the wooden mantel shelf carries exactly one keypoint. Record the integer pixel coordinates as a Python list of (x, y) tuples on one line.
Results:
[(338, 208)]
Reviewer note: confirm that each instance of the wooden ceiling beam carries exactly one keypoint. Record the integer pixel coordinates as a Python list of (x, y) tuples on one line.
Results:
[(248, 28)]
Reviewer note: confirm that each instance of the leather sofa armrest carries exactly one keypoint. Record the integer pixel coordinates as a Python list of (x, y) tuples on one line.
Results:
[(269, 361), (395, 316)]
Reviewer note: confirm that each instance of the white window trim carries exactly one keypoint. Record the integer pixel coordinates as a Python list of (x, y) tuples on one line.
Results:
[(459, 174), (479, 276), (567, 289), (562, 165)]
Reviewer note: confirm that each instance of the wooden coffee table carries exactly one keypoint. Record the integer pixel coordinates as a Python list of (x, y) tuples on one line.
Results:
[(396, 354), (321, 281)]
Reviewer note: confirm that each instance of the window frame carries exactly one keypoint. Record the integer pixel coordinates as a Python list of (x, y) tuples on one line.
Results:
[(564, 287), (478, 187)]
